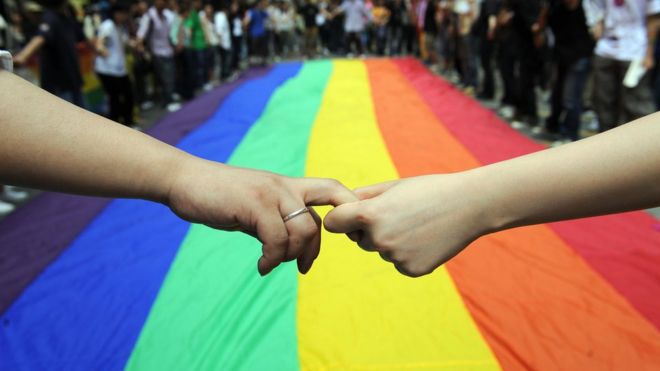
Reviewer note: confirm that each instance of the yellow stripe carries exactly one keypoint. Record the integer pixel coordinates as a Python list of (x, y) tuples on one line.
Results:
[(355, 311)]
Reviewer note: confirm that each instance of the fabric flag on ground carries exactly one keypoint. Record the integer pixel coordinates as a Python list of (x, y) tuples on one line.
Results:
[(91, 284)]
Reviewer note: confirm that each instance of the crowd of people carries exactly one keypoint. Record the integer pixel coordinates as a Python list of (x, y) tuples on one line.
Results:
[(150, 52)]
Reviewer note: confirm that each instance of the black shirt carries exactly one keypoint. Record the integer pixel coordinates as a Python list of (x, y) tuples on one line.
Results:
[(572, 38), (430, 23), (309, 13), (59, 65)]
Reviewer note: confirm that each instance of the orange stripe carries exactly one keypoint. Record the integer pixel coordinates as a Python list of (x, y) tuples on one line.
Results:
[(538, 304)]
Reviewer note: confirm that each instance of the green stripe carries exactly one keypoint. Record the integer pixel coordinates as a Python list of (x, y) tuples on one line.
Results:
[(214, 311)]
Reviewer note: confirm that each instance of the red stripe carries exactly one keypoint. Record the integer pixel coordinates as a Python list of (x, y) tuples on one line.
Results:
[(623, 248)]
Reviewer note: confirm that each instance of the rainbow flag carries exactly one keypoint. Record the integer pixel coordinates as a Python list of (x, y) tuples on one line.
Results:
[(93, 284)]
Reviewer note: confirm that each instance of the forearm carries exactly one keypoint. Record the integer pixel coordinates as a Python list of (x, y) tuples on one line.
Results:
[(49, 144), (652, 24), (612, 172), (32, 47)]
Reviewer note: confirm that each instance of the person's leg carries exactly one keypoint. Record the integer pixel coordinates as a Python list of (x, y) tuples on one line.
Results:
[(557, 99), (638, 101), (189, 74), (606, 92), (526, 83), (506, 62), (575, 81), (486, 59), (126, 105), (139, 77), (166, 75), (112, 91), (236, 45)]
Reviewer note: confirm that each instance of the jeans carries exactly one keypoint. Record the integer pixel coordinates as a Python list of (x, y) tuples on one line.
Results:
[(567, 98), (614, 103), (72, 96), (120, 98), (166, 72)]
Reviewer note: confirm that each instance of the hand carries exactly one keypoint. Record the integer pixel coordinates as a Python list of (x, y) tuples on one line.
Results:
[(19, 61), (648, 60), (254, 202), (597, 31), (417, 223)]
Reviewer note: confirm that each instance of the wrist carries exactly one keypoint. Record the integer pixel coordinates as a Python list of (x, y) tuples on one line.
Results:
[(491, 212), (176, 171)]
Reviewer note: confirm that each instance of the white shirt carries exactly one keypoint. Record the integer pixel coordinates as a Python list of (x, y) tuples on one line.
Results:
[(6, 62), (624, 27), (237, 27), (114, 39), (356, 15), (222, 30), (158, 29), (209, 28), (284, 20)]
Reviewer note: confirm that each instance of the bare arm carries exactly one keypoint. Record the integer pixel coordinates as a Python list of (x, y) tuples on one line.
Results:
[(652, 27), (50, 144), (28, 51), (420, 223)]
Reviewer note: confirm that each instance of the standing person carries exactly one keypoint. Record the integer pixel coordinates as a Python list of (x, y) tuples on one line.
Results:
[(335, 20), (355, 21), (573, 49), (484, 31), (508, 50), (625, 32), (310, 12), (430, 31), (197, 46), (212, 54), (223, 32), (56, 40), (527, 29), (237, 38), (256, 19), (381, 17), (185, 58), (466, 11), (399, 17), (110, 65), (284, 26), (154, 31), (142, 68)]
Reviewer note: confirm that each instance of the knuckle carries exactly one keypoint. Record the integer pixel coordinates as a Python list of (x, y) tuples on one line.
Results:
[(309, 230), (385, 244)]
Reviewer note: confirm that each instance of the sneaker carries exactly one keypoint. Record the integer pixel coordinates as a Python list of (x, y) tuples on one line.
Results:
[(539, 130), (207, 87), (172, 107), (519, 125), (14, 194), (560, 142), (506, 112), (6, 208), (145, 106)]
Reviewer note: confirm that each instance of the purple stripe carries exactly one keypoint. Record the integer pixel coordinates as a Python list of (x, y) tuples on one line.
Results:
[(37, 233)]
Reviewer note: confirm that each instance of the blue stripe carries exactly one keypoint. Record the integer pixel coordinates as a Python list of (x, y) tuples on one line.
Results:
[(86, 310)]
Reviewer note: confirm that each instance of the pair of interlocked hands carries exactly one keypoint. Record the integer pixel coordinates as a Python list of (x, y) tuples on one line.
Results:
[(417, 224)]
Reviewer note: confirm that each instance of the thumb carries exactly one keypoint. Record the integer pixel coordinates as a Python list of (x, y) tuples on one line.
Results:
[(344, 218), (365, 193), (319, 191)]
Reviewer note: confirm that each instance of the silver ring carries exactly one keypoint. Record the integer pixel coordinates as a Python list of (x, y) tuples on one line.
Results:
[(295, 214)]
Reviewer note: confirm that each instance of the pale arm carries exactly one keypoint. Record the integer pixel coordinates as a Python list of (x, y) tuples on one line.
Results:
[(28, 51), (420, 223), (50, 144)]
